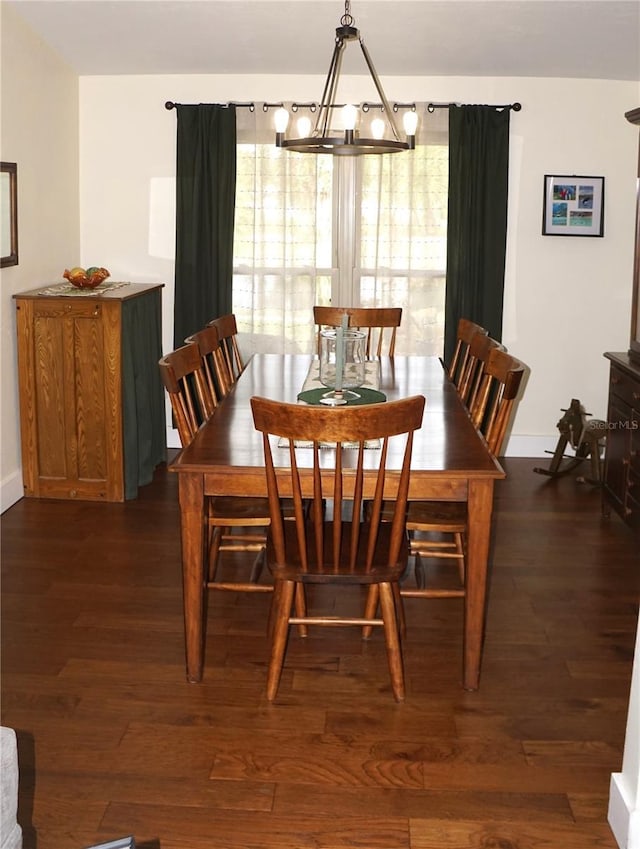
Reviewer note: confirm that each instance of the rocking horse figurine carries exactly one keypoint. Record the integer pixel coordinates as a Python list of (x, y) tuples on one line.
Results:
[(586, 437)]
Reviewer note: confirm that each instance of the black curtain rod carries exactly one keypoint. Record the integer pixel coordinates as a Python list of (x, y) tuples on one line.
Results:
[(430, 106), (515, 106), (250, 106)]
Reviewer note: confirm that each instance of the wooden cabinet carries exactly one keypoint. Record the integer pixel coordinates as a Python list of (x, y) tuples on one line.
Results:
[(91, 402), (621, 485), (634, 343)]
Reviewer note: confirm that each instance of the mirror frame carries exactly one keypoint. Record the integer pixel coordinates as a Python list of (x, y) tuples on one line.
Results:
[(11, 203)]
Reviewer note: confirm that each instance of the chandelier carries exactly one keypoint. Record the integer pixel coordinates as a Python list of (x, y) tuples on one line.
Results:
[(324, 137)]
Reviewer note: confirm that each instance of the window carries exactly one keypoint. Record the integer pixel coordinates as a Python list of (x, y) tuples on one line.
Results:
[(358, 231)]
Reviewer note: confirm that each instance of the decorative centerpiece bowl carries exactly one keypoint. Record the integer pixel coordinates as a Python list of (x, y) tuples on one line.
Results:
[(86, 278)]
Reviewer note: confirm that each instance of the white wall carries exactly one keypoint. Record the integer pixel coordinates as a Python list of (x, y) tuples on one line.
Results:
[(567, 298), (39, 109), (624, 795)]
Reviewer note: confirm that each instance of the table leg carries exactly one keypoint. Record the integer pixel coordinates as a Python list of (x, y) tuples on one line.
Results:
[(192, 516), (479, 507)]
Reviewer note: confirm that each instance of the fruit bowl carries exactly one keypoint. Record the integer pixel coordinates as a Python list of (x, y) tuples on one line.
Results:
[(86, 278)]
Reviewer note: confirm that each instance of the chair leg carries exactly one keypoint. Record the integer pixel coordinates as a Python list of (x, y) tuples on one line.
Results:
[(392, 639), (273, 608), (397, 598), (214, 552), (301, 609), (283, 600), (460, 552), (370, 609)]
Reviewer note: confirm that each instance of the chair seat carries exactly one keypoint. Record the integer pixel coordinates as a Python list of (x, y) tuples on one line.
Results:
[(327, 572), (444, 516)]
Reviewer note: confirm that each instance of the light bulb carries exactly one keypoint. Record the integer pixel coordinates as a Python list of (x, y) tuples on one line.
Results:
[(349, 116), (377, 128), (410, 121), (304, 126), (281, 120)]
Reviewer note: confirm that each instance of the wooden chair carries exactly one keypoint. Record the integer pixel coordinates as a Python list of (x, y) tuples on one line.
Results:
[(214, 364), (228, 335), (491, 412), (477, 355), (376, 321), (334, 546), (185, 380), (496, 397), (466, 331)]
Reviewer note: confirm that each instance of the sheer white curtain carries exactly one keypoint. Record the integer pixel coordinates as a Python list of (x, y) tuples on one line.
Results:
[(402, 237), (352, 231), (282, 240)]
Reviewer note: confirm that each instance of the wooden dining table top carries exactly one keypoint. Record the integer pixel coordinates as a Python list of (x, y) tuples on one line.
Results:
[(447, 447)]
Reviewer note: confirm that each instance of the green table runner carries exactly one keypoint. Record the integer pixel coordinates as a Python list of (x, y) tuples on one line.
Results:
[(366, 396)]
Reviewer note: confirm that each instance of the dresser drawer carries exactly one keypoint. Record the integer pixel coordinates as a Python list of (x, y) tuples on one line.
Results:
[(634, 445), (632, 502), (623, 386)]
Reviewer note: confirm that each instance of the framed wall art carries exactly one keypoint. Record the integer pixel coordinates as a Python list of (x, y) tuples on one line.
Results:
[(8, 214), (573, 206)]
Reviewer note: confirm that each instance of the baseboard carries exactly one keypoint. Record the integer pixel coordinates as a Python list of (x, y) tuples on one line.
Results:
[(173, 439), (11, 490), (623, 819), (530, 446)]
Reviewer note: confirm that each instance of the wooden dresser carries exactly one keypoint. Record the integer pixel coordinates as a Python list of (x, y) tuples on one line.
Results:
[(92, 413), (621, 486), (622, 464)]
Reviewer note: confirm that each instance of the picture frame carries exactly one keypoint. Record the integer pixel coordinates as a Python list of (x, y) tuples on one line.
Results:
[(573, 205), (8, 214)]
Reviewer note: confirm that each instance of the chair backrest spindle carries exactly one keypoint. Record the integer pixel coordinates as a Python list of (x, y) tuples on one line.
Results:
[(496, 397), (477, 356), (341, 436), (183, 378), (228, 334), (466, 331), (213, 362)]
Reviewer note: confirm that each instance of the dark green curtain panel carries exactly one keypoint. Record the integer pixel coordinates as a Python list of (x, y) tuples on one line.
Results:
[(477, 220), (144, 427), (205, 204)]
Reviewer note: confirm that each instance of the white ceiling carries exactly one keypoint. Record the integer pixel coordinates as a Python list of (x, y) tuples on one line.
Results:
[(595, 39)]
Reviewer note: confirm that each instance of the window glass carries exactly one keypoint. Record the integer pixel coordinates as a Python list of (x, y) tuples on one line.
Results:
[(353, 231)]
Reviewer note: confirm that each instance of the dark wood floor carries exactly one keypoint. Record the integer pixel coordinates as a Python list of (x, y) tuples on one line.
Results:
[(113, 741)]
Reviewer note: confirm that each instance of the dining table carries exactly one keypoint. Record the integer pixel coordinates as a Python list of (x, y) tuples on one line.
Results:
[(450, 461)]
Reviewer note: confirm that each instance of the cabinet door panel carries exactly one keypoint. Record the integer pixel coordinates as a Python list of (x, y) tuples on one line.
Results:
[(89, 438), (50, 402)]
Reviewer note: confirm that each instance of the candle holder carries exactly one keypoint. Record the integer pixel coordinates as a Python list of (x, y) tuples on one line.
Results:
[(342, 364)]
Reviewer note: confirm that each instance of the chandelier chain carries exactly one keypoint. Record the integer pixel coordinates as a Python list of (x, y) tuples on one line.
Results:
[(347, 19)]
